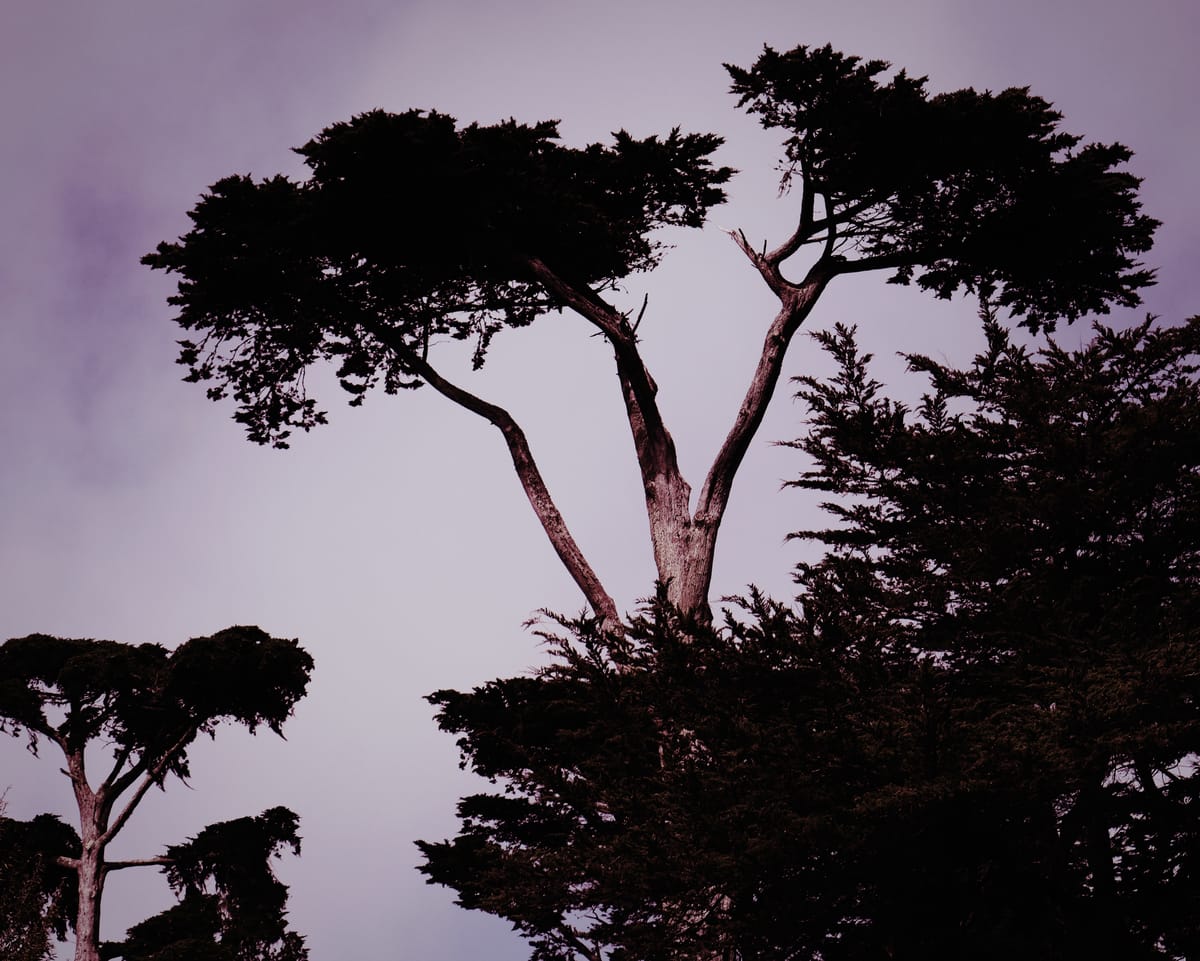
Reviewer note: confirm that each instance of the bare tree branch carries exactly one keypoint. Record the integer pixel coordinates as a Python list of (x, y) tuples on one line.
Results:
[(120, 761), (153, 776), (804, 230), (530, 476), (797, 304), (667, 493), (137, 863), (864, 264)]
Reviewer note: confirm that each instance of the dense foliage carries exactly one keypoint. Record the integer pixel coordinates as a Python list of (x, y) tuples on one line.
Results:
[(900, 766), (37, 895), (967, 190), (143, 699), (975, 736), (408, 231), (1034, 528), (232, 907)]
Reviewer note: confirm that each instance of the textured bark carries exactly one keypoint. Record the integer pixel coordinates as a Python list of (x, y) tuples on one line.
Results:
[(97, 827), (683, 542), (93, 817), (91, 888)]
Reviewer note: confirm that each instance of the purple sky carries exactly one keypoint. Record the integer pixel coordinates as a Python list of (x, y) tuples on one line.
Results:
[(396, 543)]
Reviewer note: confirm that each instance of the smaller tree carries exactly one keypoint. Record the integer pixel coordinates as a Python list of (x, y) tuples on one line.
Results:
[(147, 705)]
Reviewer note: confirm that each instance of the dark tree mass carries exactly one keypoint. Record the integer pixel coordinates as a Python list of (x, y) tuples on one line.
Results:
[(145, 705), (975, 737), (410, 230), (38, 897), (975, 734)]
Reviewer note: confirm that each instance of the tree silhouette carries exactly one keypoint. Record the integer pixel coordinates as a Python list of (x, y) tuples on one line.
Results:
[(976, 735), (147, 705), (410, 230)]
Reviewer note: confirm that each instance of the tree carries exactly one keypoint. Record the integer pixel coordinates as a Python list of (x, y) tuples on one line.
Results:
[(411, 230), (1044, 545), (148, 705), (976, 736), (37, 899)]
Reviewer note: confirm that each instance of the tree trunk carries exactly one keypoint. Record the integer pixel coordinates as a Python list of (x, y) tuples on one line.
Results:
[(94, 809), (91, 886), (683, 555)]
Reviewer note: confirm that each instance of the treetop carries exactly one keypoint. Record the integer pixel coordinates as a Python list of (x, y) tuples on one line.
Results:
[(961, 190), (145, 698), (411, 230)]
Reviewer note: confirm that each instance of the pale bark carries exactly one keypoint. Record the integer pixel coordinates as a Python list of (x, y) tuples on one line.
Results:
[(97, 828), (91, 889), (673, 535), (683, 542), (93, 815), (530, 476)]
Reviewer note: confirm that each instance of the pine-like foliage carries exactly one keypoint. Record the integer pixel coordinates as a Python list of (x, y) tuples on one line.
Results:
[(974, 737), (1033, 530), (146, 705)]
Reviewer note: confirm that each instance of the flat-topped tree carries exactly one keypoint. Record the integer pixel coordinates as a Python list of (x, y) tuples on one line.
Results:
[(146, 706), (410, 230)]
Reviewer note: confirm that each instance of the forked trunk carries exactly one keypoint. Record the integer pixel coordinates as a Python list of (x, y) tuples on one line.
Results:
[(94, 808), (684, 559)]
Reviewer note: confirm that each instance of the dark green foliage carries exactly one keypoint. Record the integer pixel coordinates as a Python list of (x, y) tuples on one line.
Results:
[(962, 190), (1034, 526), (755, 789), (232, 907), (37, 896), (187, 931), (410, 230), (619, 827), (144, 699), (976, 737), (1036, 483)]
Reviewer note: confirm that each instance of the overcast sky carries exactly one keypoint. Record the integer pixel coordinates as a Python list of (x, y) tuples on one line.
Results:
[(395, 543)]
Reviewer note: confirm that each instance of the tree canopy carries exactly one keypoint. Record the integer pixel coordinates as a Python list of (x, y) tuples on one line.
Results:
[(975, 735), (962, 189), (410, 230), (147, 705)]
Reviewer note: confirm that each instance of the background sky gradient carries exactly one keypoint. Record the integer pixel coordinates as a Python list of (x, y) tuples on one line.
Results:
[(396, 543)]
